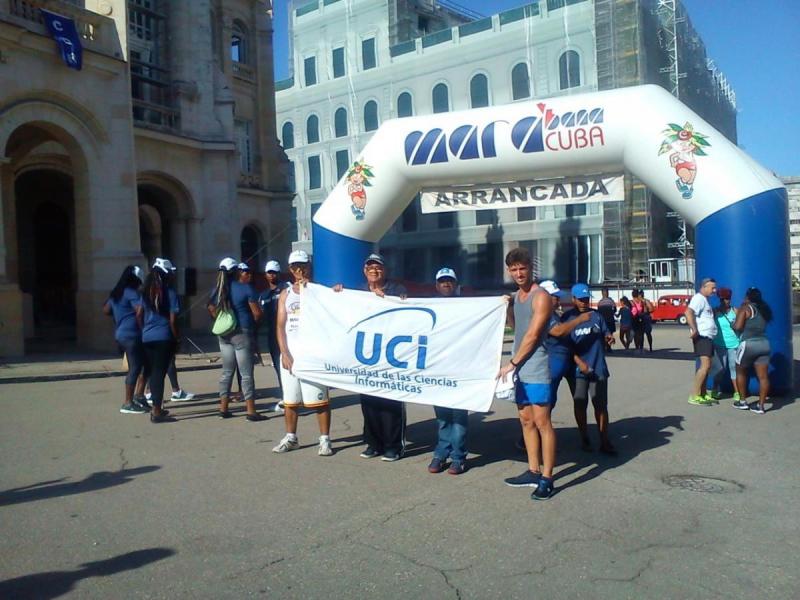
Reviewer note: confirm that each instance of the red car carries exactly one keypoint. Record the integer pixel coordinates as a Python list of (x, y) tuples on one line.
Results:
[(671, 308)]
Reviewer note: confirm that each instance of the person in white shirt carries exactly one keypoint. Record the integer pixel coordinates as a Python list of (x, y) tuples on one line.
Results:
[(702, 329)]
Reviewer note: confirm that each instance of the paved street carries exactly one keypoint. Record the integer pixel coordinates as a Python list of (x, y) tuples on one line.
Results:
[(700, 503)]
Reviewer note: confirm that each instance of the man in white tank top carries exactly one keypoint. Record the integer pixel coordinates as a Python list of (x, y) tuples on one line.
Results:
[(297, 392)]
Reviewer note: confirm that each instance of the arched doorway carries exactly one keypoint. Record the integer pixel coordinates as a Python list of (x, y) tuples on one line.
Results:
[(251, 246), (157, 215), (47, 272)]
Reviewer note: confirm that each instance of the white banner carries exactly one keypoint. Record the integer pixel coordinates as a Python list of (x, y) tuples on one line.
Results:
[(438, 351), (573, 190)]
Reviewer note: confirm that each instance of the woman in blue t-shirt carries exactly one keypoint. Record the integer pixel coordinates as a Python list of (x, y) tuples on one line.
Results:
[(158, 318), (121, 304)]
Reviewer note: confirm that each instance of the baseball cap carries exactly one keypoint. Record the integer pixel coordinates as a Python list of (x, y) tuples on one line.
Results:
[(581, 290), (298, 256), (273, 265), (374, 257), (551, 287), (242, 266), (725, 293), (446, 272), (164, 264), (137, 272), (227, 264)]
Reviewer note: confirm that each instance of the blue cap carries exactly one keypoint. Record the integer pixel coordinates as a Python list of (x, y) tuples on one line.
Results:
[(581, 290)]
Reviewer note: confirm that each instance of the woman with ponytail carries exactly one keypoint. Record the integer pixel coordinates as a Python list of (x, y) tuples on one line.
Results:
[(754, 350), (234, 307), (121, 304), (158, 316)]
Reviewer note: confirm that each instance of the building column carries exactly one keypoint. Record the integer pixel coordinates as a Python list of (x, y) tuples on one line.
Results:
[(12, 333)]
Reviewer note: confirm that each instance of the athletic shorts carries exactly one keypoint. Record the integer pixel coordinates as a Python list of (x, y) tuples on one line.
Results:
[(753, 352), (703, 346), (560, 367), (297, 391), (527, 394)]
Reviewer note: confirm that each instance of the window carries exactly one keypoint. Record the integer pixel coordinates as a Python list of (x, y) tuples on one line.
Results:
[(371, 116), (569, 69), (576, 210), (310, 69), (238, 43), (485, 217), (287, 135), (441, 98), (314, 208), (243, 145), (526, 213), (292, 185), (342, 163), (340, 122), (413, 262), (314, 173), (479, 91), (408, 220), (405, 107), (422, 24), (312, 130), (520, 82), (338, 63), (446, 220), (368, 53)]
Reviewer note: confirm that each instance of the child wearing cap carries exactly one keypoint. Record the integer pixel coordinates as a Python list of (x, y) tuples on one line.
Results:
[(590, 379)]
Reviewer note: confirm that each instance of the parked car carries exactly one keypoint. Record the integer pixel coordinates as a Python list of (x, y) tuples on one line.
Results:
[(671, 308)]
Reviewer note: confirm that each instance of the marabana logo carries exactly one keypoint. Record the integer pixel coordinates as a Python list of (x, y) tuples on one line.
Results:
[(536, 133), (396, 348)]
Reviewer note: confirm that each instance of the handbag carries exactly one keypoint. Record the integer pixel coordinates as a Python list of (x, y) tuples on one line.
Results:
[(225, 323)]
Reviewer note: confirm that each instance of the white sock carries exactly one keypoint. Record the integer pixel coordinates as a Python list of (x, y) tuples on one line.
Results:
[(324, 438), (292, 436)]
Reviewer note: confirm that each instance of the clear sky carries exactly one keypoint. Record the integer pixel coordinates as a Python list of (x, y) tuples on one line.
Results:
[(755, 44)]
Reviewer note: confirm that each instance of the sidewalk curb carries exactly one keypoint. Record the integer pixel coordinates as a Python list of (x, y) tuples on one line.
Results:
[(90, 375)]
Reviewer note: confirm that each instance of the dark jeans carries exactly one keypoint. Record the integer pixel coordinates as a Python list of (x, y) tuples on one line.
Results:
[(452, 433), (275, 355), (158, 356), (384, 423), (134, 351), (172, 373)]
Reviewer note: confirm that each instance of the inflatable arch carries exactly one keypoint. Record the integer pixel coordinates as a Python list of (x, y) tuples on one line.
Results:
[(738, 207)]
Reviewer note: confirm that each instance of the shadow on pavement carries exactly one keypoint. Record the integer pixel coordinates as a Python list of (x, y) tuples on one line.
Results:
[(55, 489), (53, 584)]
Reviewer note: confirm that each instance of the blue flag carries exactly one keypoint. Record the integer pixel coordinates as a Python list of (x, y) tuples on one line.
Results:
[(66, 36)]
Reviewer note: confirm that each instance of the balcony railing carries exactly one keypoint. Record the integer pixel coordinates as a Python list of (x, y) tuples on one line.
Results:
[(98, 33)]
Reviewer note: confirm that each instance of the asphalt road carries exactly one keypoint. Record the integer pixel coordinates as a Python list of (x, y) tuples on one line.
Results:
[(700, 503)]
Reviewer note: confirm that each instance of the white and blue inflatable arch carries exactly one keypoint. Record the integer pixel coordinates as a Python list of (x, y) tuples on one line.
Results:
[(739, 208)]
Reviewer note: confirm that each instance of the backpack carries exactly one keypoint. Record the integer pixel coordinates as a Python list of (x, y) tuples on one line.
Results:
[(225, 323)]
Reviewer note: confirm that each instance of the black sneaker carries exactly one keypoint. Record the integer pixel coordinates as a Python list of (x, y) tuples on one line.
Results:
[(132, 409), (141, 402), (526, 479), (225, 414), (544, 490), (256, 417), (369, 452), (391, 456), (162, 418)]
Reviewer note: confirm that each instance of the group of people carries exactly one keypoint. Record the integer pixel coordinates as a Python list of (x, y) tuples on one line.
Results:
[(550, 345), (729, 340), (635, 319)]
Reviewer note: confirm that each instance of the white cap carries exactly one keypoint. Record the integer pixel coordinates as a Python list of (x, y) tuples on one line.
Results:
[(551, 287), (137, 272), (243, 266), (227, 264), (164, 264), (446, 272), (298, 256), (273, 265)]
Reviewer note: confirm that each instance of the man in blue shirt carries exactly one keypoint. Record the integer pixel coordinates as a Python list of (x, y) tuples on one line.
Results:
[(590, 378), (268, 301)]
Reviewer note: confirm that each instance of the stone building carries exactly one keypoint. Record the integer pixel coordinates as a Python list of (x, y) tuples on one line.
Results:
[(356, 64), (163, 144)]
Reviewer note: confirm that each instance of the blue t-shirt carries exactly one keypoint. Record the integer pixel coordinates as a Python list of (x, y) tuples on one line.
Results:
[(124, 311), (625, 317), (268, 301), (560, 347), (589, 342), (241, 296), (156, 326)]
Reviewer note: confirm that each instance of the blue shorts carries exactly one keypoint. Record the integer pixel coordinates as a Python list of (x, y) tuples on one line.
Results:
[(532, 393), (560, 367)]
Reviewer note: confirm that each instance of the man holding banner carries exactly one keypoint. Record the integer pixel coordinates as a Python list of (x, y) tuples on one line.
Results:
[(529, 363)]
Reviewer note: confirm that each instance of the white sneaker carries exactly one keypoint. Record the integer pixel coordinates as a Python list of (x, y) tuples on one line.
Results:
[(286, 444), (181, 396), (325, 447), (276, 408)]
